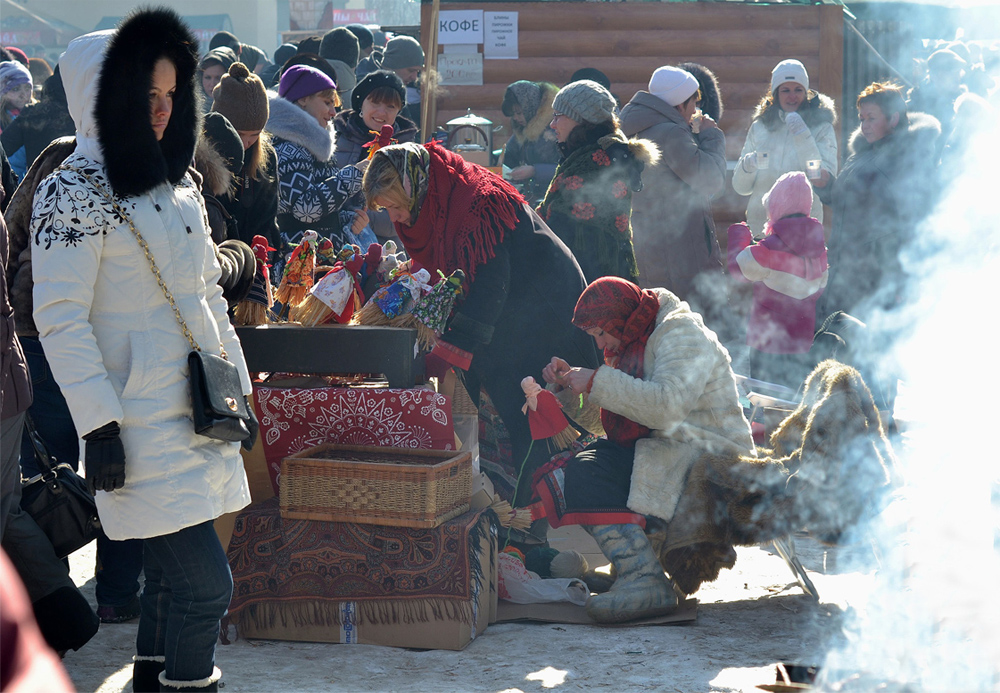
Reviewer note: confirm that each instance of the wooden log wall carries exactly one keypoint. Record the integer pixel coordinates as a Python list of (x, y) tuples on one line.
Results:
[(739, 42)]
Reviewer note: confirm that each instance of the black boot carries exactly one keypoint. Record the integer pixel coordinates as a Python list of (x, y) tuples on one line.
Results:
[(66, 620), (146, 674), (209, 684)]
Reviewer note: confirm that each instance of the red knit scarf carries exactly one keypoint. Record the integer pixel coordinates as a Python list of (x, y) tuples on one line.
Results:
[(465, 213), (628, 313)]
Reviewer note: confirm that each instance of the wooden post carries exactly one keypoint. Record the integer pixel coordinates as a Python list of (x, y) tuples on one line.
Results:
[(429, 81)]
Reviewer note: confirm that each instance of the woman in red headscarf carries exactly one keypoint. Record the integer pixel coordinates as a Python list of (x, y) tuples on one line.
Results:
[(668, 397)]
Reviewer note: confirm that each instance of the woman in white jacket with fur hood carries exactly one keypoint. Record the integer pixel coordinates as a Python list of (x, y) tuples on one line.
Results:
[(792, 130), (112, 340), (668, 399)]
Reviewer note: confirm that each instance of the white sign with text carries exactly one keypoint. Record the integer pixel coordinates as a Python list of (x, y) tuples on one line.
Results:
[(500, 35), (461, 68), (460, 26)]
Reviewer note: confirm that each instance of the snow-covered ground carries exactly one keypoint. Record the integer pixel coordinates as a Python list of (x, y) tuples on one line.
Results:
[(749, 620)]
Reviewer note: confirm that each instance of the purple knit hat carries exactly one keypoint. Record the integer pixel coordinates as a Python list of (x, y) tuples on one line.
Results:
[(790, 194), (300, 81)]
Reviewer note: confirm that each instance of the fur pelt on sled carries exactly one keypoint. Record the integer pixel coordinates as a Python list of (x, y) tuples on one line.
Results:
[(829, 468)]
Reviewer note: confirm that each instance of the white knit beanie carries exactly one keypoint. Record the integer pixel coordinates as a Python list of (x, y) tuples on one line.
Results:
[(672, 84), (789, 71)]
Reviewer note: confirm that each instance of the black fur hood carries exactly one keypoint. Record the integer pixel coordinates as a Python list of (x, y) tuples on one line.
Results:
[(711, 95), (818, 108), (134, 160)]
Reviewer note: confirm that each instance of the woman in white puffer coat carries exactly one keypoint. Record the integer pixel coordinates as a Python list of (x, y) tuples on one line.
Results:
[(113, 343), (791, 127)]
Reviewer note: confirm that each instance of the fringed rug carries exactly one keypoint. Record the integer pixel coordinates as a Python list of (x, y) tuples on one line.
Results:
[(302, 571), (293, 419)]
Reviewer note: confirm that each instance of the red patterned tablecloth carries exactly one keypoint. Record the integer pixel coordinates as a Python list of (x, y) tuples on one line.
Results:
[(293, 419)]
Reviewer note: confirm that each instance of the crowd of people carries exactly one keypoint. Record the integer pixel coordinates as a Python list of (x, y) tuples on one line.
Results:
[(596, 266)]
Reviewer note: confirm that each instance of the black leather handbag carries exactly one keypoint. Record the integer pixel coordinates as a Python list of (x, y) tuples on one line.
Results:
[(59, 501), (218, 408), (220, 411)]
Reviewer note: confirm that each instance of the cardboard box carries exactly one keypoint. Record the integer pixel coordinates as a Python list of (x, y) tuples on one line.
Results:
[(353, 627)]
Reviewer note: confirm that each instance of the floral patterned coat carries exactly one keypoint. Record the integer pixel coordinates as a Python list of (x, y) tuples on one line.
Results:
[(589, 206)]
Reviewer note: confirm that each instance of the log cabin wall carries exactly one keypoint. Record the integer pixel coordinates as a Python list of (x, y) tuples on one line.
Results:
[(739, 42)]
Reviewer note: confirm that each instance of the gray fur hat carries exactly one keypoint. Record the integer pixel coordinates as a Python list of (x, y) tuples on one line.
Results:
[(585, 102)]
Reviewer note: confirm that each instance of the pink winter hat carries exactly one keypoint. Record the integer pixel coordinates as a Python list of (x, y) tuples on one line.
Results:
[(790, 194)]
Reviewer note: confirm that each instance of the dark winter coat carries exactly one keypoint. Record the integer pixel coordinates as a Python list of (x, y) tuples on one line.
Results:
[(675, 238), (40, 123), (254, 206), (352, 134), (535, 145), (589, 203), (311, 187), (15, 384), (883, 190), (788, 270), (516, 315)]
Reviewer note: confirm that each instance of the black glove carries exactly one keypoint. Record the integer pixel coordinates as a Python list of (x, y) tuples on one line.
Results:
[(104, 458), (252, 425)]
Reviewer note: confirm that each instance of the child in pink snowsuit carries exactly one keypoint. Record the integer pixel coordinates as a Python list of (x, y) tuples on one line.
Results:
[(788, 269)]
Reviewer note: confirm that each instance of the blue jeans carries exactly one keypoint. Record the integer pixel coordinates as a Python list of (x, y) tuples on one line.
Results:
[(118, 562), (187, 592)]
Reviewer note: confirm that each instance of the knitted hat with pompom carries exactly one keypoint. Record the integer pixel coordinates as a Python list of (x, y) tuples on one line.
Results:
[(241, 97)]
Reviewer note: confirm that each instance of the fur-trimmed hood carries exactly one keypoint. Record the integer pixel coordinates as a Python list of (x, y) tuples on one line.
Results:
[(711, 95), (818, 108), (289, 122), (539, 123), (643, 150), (107, 76), (922, 131), (217, 179)]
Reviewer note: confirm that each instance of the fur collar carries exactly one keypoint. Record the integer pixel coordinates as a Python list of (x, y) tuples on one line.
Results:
[(135, 161), (537, 126), (289, 122), (216, 176), (923, 131), (818, 108), (645, 151)]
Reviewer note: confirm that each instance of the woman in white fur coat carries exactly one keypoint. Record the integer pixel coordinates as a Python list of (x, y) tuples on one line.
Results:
[(111, 337), (311, 187), (668, 397)]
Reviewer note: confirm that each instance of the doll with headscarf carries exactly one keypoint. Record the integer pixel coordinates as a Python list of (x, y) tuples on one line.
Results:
[(521, 282)]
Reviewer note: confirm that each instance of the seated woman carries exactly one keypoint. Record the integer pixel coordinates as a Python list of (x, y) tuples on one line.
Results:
[(668, 398), (521, 281), (311, 187)]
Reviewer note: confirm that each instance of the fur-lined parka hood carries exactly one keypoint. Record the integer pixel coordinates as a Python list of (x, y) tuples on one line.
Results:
[(107, 75), (818, 108), (289, 122), (711, 96), (922, 132), (539, 123), (216, 176)]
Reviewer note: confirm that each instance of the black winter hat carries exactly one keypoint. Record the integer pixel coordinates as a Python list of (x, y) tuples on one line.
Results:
[(224, 38), (284, 52), (312, 60), (365, 36), (340, 44), (374, 80), (226, 141), (310, 44)]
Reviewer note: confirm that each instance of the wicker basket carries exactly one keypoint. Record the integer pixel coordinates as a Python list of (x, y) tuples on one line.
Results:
[(375, 485)]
